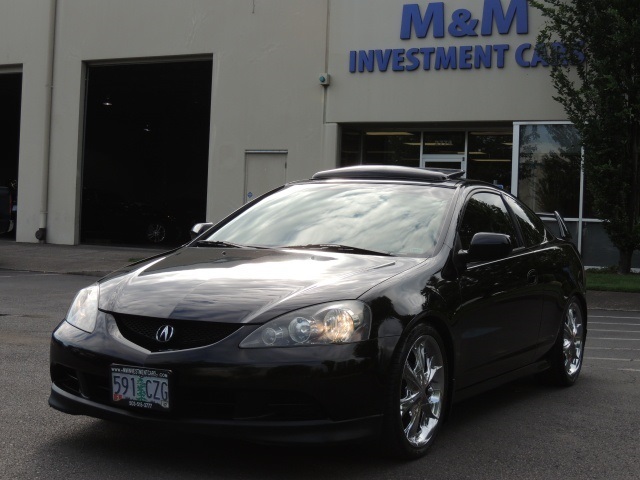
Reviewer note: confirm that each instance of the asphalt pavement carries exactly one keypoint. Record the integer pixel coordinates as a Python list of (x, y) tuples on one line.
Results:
[(97, 260)]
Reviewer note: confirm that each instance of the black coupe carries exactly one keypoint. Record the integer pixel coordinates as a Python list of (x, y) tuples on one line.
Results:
[(358, 303)]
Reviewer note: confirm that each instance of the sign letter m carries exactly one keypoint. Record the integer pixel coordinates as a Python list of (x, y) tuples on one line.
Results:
[(493, 12), (413, 19)]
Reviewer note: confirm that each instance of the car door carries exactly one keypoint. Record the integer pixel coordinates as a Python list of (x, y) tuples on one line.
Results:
[(550, 268), (498, 320)]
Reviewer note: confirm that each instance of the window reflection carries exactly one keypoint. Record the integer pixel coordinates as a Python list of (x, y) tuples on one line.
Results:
[(531, 226), (489, 157), (485, 212), (549, 175), (392, 148), (398, 219)]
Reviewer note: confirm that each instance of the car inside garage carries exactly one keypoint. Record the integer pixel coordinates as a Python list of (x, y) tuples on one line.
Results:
[(146, 144)]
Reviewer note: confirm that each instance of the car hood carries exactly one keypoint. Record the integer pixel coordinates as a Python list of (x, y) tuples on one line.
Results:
[(242, 285)]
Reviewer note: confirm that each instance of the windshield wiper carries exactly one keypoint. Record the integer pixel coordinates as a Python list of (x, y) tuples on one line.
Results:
[(337, 248), (218, 243)]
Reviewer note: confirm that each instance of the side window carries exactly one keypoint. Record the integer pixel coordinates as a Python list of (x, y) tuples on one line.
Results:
[(485, 212), (531, 225)]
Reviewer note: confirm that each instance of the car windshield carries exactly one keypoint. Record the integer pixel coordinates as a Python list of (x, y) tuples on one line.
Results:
[(393, 219)]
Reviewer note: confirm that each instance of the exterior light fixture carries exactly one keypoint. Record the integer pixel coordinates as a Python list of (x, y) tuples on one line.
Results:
[(325, 79)]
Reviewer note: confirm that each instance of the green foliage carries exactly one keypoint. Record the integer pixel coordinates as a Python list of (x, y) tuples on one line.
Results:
[(609, 281), (601, 96)]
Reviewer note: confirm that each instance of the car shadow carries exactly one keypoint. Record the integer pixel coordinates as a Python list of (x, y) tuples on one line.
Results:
[(484, 423)]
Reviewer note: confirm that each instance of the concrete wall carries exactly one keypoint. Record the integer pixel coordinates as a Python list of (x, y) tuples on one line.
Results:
[(24, 40), (267, 55), (463, 95)]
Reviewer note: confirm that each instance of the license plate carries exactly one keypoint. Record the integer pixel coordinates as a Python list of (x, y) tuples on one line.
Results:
[(138, 387)]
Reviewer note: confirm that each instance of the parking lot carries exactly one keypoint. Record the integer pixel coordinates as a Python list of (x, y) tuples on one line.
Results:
[(614, 341), (521, 430)]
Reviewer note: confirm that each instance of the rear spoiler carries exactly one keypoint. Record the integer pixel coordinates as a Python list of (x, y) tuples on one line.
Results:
[(558, 226)]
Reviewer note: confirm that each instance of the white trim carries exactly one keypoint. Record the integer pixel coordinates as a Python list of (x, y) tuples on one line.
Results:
[(581, 204), (268, 152), (444, 158), (198, 57), (515, 158), (6, 69), (551, 122), (588, 220), (463, 164)]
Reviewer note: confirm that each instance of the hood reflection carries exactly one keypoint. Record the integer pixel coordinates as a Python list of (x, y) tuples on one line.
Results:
[(241, 286)]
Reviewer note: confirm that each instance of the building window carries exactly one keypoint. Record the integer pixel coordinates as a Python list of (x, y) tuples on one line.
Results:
[(391, 148), (549, 159), (443, 143), (489, 157)]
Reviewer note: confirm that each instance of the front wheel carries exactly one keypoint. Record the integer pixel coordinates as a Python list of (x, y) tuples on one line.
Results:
[(568, 352), (417, 393)]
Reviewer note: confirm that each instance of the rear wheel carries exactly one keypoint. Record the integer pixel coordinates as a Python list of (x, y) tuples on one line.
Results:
[(567, 354), (417, 393)]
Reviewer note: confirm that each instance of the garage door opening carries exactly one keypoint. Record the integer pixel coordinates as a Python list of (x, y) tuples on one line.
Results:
[(10, 104), (146, 147)]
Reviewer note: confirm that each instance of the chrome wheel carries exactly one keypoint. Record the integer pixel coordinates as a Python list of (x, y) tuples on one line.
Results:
[(573, 337), (422, 391), (156, 232)]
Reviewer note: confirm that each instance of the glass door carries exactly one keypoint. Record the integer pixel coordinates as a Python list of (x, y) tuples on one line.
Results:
[(444, 150)]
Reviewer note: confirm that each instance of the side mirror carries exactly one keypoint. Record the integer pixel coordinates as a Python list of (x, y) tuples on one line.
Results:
[(199, 228), (486, 247)]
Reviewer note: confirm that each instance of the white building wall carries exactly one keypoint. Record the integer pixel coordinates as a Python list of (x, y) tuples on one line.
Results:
[(459, 95), (267, 57), (24, 30)]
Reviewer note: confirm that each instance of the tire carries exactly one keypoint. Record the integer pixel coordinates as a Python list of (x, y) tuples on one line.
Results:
[(418, 394), (568, 352), (156, 232)]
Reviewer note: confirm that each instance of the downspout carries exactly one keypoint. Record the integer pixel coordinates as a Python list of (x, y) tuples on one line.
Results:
[(41, 234)]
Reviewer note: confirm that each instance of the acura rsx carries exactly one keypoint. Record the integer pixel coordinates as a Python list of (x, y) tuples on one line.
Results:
[(359, 303)]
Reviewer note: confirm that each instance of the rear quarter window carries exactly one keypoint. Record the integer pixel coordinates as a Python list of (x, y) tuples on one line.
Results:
[(531, 226)]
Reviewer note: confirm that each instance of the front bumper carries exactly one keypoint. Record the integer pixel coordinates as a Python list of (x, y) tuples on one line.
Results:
[(312, 432), (309, 394)]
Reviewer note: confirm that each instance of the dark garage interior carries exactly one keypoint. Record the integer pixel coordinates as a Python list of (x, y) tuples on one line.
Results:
[(10, 102), (146, 144)]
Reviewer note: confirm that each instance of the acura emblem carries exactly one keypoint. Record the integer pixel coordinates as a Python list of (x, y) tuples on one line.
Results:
[(164, 333)]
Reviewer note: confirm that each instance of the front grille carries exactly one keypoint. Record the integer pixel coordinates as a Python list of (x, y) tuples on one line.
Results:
[(187, 333)]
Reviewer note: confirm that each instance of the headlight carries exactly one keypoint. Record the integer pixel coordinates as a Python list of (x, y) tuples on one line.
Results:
[(331, 323), (84, 309)]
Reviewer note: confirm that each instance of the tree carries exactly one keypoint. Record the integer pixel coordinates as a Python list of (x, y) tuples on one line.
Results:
[(593, 49)]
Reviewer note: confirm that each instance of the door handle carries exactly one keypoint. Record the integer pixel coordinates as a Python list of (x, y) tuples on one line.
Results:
[(532, 277)]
